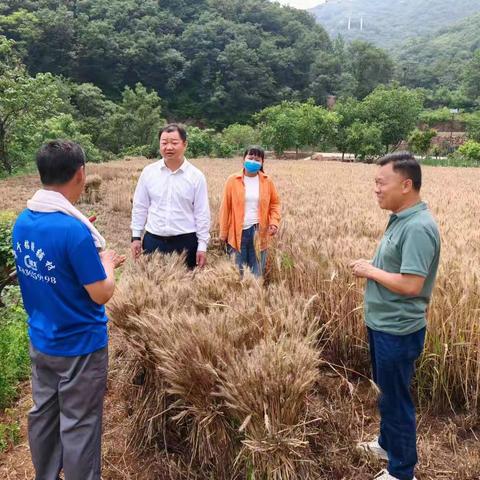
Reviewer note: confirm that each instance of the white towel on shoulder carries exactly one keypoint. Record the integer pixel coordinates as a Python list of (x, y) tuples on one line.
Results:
[(48, 201)]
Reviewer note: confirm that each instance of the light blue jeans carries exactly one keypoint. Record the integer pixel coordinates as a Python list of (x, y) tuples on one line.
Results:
[(247, 256)]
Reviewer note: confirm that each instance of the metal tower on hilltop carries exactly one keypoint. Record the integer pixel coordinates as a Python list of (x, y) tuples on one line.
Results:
[(355, 19)]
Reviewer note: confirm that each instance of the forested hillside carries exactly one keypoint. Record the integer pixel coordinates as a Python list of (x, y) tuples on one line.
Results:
[(445, 59), (212, 60), (108, 73), (387, 23)]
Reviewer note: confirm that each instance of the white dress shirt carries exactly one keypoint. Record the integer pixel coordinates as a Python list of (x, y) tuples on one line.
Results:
[(170, 203), (252, 196)]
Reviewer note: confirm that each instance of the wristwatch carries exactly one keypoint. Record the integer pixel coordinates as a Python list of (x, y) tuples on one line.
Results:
[(136, 238)]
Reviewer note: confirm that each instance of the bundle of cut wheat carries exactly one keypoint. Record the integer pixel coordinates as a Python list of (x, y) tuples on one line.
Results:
[(222, 368)]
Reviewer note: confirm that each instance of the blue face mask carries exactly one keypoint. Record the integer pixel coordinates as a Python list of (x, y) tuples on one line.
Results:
[(252, 166)]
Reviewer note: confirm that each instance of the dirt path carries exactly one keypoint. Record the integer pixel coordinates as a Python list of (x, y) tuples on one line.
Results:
[(118, 461)]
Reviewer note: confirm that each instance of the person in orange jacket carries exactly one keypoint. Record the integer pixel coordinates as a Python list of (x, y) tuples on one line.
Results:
[(250, 212)]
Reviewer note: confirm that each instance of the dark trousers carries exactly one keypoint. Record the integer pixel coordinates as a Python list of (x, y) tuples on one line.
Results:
[(187, 242), (65, 424), (393, 363)]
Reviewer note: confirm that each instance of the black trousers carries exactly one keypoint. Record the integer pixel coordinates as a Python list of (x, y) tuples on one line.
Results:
[(187, 242)]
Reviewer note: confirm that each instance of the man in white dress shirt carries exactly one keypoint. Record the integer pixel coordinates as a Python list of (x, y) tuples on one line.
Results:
[(170, 205)]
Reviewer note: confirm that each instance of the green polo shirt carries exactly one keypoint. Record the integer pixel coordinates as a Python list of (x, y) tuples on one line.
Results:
[(411, 244)]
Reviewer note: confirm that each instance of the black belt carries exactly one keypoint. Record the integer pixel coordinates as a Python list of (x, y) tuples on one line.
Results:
[(171, 238)]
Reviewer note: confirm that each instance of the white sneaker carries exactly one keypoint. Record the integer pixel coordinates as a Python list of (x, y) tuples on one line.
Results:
[(373, 448), (384, 475)]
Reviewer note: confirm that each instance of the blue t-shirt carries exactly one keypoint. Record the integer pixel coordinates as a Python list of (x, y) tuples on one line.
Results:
[(55, 257)]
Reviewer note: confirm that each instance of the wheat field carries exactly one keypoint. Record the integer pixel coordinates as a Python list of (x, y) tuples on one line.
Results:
[(217, 377)]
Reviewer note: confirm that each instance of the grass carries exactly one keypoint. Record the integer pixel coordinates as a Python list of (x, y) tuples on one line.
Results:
[(14, 361), (9, 431), (14, 357), (450, 161)]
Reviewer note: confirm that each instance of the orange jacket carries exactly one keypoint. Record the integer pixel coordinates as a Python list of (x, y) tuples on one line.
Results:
[(232, 210)]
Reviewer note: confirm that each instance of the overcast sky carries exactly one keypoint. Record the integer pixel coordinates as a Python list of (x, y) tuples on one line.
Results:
[(301, 3)]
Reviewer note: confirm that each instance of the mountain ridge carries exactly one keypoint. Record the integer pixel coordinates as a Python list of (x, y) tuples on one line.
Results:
[(389, 24)]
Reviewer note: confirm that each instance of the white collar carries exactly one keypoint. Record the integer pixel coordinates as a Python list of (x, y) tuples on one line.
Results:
[(183, 167)]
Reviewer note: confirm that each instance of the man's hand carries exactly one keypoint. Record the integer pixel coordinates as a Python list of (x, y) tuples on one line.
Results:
[(201, 259), (362, 268), (401, 283), (272, 230), (136, 249), (101, 292), (110, 257)]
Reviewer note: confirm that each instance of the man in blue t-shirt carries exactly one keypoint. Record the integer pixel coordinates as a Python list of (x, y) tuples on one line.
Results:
[(65, 283)]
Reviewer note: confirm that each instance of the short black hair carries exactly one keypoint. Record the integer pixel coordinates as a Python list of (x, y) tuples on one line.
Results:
[(405, 163), (174, 127), (58, 161), (255, 150)]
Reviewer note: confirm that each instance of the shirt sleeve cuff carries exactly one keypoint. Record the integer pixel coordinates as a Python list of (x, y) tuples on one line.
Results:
[(413, 271), (202, 246), (137, 233)]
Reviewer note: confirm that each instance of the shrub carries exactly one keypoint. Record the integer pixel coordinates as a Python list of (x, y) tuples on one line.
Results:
[(421, 141), (150, 151), (470, 150), (200, 142), (9, 432), (7, 262), (223, 149), (239, 137), (14, 356), (432, 117)]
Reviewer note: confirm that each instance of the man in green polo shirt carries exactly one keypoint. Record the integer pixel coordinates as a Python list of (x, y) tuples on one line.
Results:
[(400, 280)]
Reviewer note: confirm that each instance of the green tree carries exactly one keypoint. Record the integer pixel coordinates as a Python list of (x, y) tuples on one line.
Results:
[(296, 125), (91, 109), (239, 136), (370, 66), (22, 27), (135, 123), (212, 62), (244, 84), (364, 140), (395, 110), (471, 78), (65, 126), (473, 126), (349, 111), (316, 126), (25, 102), (200, 142), (51, 48), (277, 127), (420, 141)]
